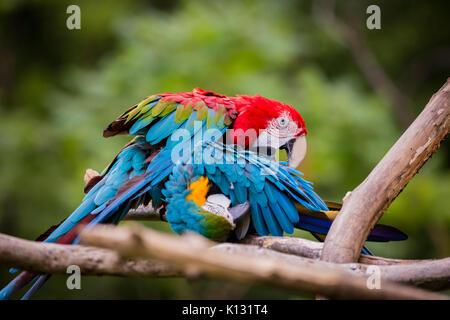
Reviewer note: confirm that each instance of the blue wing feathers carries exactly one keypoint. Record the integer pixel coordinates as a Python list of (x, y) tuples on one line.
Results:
[(283, 220), (271, 186), (258, 220), (288, 207), (272, 224), (162, 129)]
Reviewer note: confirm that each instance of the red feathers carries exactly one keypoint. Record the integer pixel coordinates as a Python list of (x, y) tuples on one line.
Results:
[(210, 98), (255, 112), (247, 115)]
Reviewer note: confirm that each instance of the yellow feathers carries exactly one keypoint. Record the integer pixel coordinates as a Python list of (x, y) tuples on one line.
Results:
[(331, 214), (199, 189)]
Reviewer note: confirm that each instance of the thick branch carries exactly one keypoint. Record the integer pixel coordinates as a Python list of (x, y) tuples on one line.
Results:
[(431, 274), (365, 205), (55, 258), (193, 257), (290, 245), (313, 249)]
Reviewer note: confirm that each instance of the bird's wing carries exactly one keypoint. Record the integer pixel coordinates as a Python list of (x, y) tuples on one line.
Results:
[(271, 187), (157, 119), (158, 116), (129, 164)]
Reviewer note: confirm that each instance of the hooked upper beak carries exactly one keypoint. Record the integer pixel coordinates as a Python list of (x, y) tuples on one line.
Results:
[(296, 150)]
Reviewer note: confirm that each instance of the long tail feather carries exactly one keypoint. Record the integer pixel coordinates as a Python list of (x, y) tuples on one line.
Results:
[(320, 222), (321, 238), (128, 165), (16, 284), (24, 278), (36, 286)]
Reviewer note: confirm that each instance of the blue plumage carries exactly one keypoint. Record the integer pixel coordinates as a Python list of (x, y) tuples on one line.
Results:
[(128, 163), (270, 187), (257, 218), (141, 171), (98, 197), (281, 217), (162, 129), (271, 222)]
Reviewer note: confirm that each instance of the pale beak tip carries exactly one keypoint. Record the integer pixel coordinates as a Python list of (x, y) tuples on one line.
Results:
[(297, 152)]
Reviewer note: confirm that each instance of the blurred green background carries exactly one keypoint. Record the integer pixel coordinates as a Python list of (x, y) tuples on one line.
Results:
[(59, 88)]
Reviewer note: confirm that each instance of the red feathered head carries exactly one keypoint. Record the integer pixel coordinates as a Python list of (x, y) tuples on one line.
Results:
[(263, 122)]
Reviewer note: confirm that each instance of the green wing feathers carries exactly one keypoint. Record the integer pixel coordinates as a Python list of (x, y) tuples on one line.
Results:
[(173, 110)]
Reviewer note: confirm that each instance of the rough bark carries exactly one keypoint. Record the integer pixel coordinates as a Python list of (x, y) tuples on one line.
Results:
[(312, 249), (193, 257), (54, 258)]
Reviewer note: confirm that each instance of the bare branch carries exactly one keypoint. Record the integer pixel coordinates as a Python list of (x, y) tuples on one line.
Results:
[(193, 257), (55, 258), (313, 249), (431, 274), (290, 245), (365, 205)]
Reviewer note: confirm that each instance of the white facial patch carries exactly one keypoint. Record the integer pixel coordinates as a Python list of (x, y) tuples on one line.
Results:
[(283, 127), (279, 131), (265, 139)]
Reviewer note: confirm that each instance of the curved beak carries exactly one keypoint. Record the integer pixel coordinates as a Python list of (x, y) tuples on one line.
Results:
[(296, 150)]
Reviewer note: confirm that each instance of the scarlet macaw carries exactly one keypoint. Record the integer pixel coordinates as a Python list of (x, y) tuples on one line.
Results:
[(139, 172)]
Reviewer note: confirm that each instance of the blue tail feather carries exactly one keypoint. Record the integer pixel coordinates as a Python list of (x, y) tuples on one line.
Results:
[(16, 284), (36, 286)]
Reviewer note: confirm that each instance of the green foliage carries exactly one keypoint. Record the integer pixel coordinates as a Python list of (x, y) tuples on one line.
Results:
[(61, 91)]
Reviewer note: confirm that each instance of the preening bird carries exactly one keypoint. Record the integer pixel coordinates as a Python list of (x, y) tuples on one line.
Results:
[(170, 131), (233, 191), (138, 173)]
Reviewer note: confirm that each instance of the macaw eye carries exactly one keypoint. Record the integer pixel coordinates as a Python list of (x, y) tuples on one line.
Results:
[(283, 122)]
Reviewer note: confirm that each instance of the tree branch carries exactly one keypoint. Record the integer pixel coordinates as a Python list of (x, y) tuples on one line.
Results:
[(193, 257), (55, 258), (313, 249), (365, 205), (290, 245), (431, 274)]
